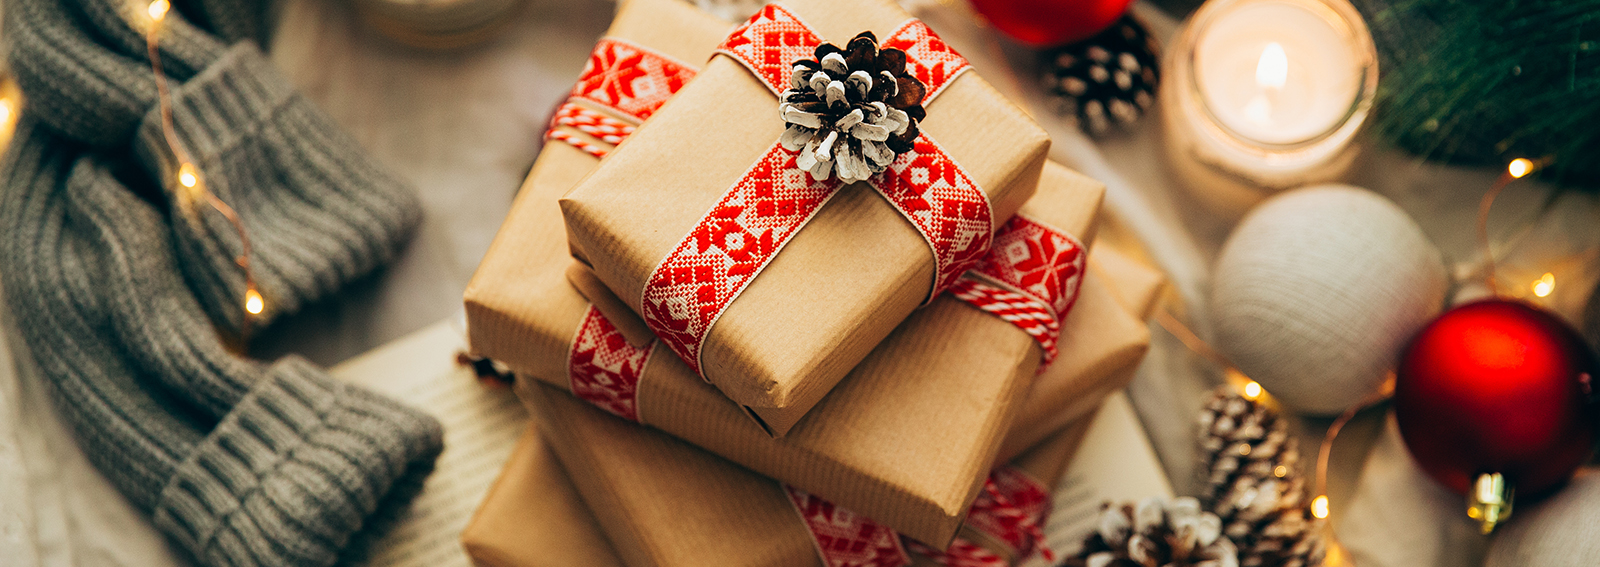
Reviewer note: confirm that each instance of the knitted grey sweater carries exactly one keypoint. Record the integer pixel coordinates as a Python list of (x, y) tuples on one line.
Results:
[(119, 290)]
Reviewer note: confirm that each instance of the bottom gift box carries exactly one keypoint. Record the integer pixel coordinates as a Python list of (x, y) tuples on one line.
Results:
[(533, 516), (664, 502)]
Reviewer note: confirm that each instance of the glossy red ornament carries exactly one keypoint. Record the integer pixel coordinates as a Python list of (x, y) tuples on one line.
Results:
[(1497, 386), (1047, 23)]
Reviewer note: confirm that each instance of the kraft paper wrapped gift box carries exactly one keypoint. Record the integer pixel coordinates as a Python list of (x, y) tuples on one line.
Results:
[(687, 222), (664, 503)]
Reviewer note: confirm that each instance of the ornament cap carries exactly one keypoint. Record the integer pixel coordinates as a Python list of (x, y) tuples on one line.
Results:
[(1490, 501)]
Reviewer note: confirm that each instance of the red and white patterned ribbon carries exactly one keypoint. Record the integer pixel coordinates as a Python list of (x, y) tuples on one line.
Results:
[(1012, 509), (593, 123), (689, 290), (844, 538), (603, 368), (629, 82), (1030, 278)]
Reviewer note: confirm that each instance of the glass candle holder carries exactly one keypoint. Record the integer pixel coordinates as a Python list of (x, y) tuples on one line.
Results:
[(1265, 95)]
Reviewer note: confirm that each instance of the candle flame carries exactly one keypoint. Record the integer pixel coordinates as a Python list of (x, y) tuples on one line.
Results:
[(1273, 69), (1544, 285)]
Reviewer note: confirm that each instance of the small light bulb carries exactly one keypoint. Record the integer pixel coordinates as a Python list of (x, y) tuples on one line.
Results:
[(1280, 471), (158, 9), (1252, 390), (1544, 285), (252, 301), (188, 176), (1519, 167), (5, 110), (1319, 507)]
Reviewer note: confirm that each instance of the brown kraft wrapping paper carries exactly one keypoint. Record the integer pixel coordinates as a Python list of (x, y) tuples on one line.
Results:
[(663, 503), (849, 277), (533, 517)]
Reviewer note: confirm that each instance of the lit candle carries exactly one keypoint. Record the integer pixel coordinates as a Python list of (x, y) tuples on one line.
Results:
[(1264, 95)]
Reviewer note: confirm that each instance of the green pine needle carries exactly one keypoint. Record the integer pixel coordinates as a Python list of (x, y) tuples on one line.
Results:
[(1485, 81)]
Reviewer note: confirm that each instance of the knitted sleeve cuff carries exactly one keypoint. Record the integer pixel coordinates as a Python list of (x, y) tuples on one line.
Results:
[(320, 211), (300, 466), (219, 108)]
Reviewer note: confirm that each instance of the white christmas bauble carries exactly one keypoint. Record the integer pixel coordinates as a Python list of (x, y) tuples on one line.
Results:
[(1318, 289)]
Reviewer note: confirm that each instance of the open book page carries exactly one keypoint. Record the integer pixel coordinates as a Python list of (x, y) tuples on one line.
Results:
[(481, 425), (1116, 463)]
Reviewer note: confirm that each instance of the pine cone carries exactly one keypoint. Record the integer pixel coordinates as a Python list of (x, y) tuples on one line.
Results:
[(1156, 533), (1253, 482), (851, 111), (1106, 80)]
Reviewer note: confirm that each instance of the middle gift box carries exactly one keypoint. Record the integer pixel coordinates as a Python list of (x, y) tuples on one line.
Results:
[(834, 166)]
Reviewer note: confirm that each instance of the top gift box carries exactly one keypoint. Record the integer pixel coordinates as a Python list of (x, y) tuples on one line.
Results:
[(833, 167)]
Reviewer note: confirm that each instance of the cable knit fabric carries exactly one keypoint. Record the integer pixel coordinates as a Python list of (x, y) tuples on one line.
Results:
[(119, 287)]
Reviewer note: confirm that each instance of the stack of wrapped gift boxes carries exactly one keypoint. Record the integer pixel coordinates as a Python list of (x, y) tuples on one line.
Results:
[(785, 293)]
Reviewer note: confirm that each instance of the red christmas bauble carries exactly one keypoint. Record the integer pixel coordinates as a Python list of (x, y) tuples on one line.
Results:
[(1046, 23), (1497, 386)]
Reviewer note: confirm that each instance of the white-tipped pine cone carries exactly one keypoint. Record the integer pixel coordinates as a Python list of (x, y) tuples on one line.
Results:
[(1156, 533), (851, 111), (1250, 468)]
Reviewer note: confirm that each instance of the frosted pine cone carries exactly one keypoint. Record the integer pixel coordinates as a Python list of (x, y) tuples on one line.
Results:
[(1253, 482), (1156, 533), (851, 111)]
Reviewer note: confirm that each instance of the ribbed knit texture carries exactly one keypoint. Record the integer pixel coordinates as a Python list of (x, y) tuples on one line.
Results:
[(318, 211), (239, 462), (118, 286)]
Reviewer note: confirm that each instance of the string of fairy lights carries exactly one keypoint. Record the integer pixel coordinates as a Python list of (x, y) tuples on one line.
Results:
[(189, 175)]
